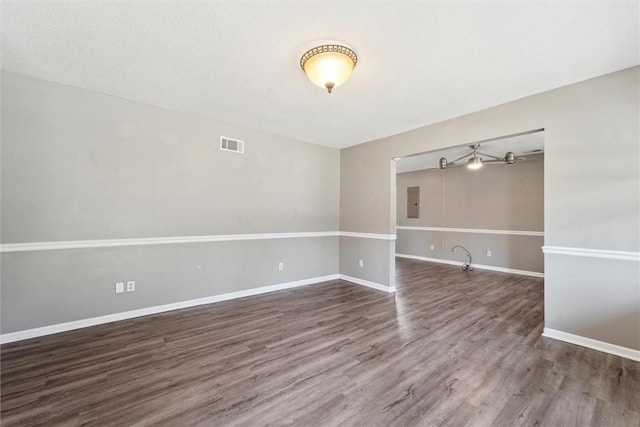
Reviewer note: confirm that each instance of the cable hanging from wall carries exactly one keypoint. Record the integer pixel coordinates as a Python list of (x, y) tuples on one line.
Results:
[(466, 266)]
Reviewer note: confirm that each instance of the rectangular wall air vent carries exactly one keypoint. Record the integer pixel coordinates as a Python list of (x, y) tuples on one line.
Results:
[(230, 144)]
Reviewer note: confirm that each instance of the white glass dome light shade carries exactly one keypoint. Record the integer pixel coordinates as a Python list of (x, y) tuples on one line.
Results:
[(328, 69), (328, 66)]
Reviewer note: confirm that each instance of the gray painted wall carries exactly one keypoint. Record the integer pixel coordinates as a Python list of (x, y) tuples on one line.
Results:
[(592, 190), (503, 197), (507, 251), (48, 287), (595, 298), (81, 165), (498, 197), (375, 256)]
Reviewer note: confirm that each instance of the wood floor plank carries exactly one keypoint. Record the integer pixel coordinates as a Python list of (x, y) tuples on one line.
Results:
[(448, 349)]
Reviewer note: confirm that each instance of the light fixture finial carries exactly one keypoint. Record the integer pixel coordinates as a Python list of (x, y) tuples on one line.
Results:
[(329, 86)]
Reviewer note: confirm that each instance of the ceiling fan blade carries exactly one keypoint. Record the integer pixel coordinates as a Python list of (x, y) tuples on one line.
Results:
[(490, 155), (502, 162), (494, 162), (460, 158), (455, 165), (449, 166)]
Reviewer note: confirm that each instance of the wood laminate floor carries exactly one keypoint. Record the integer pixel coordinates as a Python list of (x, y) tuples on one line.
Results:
[(448, 348)]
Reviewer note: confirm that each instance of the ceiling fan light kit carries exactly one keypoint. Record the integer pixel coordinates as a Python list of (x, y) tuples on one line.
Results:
[(476, 162), (328, 65)]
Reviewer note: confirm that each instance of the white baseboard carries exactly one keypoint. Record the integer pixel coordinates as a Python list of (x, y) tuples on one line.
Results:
[(93, 321), (478, 266), (627, 353), (100, 320), (367, 283)]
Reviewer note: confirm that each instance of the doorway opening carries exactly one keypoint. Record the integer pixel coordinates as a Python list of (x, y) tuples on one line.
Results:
[(479, 205)]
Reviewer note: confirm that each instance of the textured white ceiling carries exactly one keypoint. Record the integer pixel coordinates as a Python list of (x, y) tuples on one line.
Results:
[(418, 62)]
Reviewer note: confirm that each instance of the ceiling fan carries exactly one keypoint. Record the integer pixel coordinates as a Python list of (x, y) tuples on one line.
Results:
[(476, 161)]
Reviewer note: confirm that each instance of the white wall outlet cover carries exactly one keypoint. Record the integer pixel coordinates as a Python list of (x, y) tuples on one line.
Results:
[(488, 252), (119, 287), (131, 286), (361, 263), (281, 266), (432, 247)]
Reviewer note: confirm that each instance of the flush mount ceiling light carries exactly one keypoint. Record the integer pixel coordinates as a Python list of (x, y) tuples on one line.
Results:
[(328, 65)]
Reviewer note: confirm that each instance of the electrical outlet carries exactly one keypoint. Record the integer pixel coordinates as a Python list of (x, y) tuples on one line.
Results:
[(432, 247), (361, 263), (488, 252), (131, 285), (280, 266), (119, 287)]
